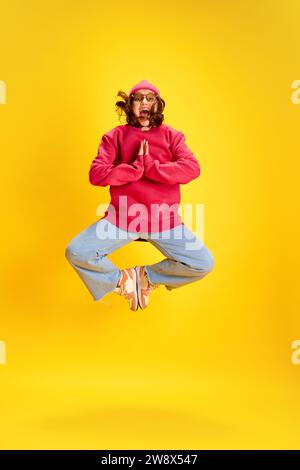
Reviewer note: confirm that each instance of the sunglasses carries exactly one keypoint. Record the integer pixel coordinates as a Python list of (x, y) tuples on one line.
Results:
[(151, 97)]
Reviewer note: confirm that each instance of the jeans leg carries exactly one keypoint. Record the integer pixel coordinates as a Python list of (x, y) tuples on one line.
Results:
[(187, 258), (87, 254)]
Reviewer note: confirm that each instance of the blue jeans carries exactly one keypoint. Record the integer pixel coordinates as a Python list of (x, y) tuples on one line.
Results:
[(187, 258)]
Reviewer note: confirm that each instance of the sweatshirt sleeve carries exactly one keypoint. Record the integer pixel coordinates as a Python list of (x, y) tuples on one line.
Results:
[(183, 169), (104, 169)]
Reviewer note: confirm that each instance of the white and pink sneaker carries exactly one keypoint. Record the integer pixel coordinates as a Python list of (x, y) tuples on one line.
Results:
[(127, 287), (144, 286)]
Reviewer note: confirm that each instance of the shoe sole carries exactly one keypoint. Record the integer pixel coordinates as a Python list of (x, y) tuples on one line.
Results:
[(138, 271), (137, 298)]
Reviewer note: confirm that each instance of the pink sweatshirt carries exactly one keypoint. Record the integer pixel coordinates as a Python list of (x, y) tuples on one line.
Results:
[(144, 189)]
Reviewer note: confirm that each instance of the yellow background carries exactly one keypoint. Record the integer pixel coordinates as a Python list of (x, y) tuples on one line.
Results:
[(206, 366)]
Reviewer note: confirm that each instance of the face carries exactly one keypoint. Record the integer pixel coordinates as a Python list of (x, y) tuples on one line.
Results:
[(141, 107)]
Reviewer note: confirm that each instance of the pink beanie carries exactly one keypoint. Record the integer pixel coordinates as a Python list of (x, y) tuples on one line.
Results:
[(144, 84)]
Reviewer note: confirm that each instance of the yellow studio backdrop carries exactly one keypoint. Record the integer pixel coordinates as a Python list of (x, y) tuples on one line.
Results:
[(210, 365)]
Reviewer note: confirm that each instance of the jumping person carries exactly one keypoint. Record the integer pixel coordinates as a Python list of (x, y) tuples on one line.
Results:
[(144, 162)]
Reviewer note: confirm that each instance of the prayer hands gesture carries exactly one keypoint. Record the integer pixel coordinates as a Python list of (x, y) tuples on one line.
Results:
[(144, 147)]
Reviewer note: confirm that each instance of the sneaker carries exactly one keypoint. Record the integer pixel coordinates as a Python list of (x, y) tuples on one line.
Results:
[(127, 287), (144, 286)]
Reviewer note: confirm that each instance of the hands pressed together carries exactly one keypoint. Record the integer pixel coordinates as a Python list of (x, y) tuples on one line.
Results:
[(143, 151), (144, 147)]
